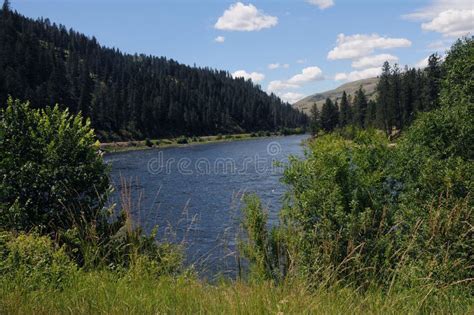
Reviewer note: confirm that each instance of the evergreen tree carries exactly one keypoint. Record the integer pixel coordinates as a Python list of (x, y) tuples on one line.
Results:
[(360, 108), (329, 116), (384, 101), (371, 114), (315, 124), (345, 111), (433, 81), (128, 96), (396, 111)]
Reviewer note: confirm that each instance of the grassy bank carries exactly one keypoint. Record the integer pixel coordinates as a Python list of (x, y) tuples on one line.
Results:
[(124, 146), (108, 293)]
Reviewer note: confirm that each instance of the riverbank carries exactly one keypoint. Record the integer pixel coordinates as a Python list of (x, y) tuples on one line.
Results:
[(114, 147)]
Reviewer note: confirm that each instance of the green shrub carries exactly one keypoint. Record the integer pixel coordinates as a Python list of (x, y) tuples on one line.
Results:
[(51, 170), (34, 261), (219, 137), (259, 245), (339, 221), (148, 142), (182, 140)]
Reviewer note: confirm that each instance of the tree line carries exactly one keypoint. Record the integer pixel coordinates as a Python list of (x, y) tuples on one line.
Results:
[(128, 96), (400, 95)]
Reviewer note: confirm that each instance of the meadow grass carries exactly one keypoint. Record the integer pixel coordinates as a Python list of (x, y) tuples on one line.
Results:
[(105, 292)]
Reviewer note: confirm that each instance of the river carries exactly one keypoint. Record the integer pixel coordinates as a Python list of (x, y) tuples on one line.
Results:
[(193, 194)]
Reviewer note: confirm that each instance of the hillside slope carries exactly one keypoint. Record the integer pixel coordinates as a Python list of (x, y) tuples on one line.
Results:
[(368, 85), (128, 96)]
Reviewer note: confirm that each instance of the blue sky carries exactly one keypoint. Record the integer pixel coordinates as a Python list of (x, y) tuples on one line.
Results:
[(290, 47)]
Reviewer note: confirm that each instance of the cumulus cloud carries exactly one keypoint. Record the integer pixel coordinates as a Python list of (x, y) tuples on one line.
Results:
[(219, 39), (291, 97), (373, 61), (278, 86), (241, 17), (451, 18), (254, 76), (322, 4), (451, 23), (358, 74), (360, 45), (307, 75), (274, 66)]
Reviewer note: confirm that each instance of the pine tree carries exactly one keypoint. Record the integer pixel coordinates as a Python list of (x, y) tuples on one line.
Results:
[(371, 114), (383, 99), (329, 116), (360, 105), (396, 111), (433, 81), (315, 119), (345, 111)]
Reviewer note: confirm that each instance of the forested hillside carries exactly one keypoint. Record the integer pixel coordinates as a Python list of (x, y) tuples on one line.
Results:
[(398, 97), (128, 96)]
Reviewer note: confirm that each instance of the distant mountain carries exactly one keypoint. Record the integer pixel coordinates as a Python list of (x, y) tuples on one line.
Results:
[(368, 85), (128, 96)]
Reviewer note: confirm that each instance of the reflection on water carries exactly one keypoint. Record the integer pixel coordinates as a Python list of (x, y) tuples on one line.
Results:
[(193, 194)]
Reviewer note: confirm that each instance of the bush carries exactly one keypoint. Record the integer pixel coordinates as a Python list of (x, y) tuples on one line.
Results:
[(148, 142), (51, 170), (219, 137), (182, 140), (259, 245), (34, 261), (339, 222)]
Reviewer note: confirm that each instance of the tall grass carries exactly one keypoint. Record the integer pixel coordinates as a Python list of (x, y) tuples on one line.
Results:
[(136, 293)]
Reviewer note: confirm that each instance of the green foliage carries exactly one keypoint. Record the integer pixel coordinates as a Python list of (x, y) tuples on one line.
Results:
[(148, 142), (363, 212), (34, 262), (182, 140), (338, 222), (51, 171), (329, 116), (260, 246)]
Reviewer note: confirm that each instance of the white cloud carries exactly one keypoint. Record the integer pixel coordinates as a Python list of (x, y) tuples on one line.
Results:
[(301, 61), (241, 17), (219, 39), (452, 18), (274, 66), (291, 97), (373, 61), (438, 6), (322, 4), (358, 74), (307, 75), (278, 86), (451, 23), (254, 76), (360, 45)]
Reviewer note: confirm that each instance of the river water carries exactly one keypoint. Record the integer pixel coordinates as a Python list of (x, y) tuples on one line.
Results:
[(193, 194)]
